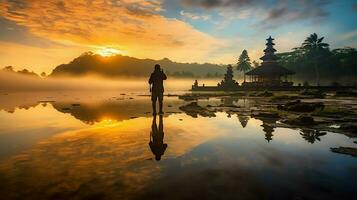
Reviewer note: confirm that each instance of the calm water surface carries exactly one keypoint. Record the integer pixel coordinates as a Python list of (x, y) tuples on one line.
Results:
[(109, 146)]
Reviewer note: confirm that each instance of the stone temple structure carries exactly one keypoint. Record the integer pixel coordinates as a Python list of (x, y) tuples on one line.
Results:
[(269, 73), (228, 82)]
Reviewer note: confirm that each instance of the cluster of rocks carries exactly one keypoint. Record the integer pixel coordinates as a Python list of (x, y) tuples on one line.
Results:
[(299, 106), (301, 120), (345, 150), (314, 93), (193, 109)]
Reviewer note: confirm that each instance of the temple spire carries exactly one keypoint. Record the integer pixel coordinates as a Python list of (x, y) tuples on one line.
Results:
[(269, 51), (228, 81)]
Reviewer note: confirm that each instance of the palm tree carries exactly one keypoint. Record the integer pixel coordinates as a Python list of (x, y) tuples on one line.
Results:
[(315, 49), (244, 62)]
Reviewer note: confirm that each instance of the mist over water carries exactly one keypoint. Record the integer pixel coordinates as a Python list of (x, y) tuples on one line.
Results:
[(17, 82), (95, 144)]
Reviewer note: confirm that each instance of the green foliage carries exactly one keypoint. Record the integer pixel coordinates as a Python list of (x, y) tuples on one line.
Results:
[(314, 61), (314, 47), (244, 62), (213, 75), (316, 51), (183, 74)]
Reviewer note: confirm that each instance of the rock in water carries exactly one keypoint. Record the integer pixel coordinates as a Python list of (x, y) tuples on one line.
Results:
[(301, 121), (298, 106), (193, 109), (352, 128), (345, 150)]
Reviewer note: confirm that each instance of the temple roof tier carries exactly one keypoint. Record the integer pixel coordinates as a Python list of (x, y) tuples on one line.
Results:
[(268, 57), (269, 49), (270, 69)]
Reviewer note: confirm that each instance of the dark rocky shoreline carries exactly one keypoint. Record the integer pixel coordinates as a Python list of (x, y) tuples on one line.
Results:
[(305, 110)]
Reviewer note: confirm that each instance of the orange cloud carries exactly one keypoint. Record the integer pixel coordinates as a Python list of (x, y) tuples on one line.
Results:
[(134, 26)]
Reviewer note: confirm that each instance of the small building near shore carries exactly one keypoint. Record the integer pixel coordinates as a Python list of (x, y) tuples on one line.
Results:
[(269, 73), (228, 83)]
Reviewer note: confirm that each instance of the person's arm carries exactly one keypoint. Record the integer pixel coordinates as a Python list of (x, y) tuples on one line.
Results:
[(164, 77), (150, 79)]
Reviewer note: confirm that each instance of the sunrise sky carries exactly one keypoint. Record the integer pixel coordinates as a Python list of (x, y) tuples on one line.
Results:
[(41, 34)]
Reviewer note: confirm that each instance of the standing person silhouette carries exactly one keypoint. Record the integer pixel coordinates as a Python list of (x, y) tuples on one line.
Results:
[(156, 82)]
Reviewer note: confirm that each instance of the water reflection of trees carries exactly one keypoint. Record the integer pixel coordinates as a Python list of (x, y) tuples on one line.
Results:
[(311, 135)]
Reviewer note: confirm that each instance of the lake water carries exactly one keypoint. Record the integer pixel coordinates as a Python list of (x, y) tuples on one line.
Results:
[(107, 145)]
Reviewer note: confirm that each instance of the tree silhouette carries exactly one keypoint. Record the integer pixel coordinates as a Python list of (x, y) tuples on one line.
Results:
[(315, 49), (244, 62), (9, 69), (255, 63), (311, 135)]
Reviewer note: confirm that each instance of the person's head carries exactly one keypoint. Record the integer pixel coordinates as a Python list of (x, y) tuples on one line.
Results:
[(157, 67)]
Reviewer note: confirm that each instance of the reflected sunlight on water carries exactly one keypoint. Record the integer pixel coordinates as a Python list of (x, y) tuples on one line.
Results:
[(105, 147)]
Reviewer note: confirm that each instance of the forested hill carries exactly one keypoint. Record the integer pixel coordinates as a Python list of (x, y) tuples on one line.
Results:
[(337, 65), (118, 65)]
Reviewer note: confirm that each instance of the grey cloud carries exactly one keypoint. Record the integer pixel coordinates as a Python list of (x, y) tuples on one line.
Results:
[(270, 13), (220, 3), (11, 32), (289, 11), (17, 4)]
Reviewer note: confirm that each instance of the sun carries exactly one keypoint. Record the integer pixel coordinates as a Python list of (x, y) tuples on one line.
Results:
[(106, 52)]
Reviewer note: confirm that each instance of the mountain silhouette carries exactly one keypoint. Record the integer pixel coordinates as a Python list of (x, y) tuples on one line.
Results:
[(25, 72), (119, 65)]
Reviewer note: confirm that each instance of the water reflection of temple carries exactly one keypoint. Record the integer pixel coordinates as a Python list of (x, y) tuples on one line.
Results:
[(229, 101), (268, 132), (243, 120), (267, 126)]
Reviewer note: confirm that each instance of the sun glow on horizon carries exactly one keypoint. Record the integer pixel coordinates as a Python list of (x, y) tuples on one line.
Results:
[(106, 52)]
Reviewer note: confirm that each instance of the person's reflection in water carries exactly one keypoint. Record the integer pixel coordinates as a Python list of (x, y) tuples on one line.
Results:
[(156, 143)]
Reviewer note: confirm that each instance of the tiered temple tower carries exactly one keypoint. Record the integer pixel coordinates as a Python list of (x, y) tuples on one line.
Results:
[(269, 56), (228, 82), (270, 72)]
